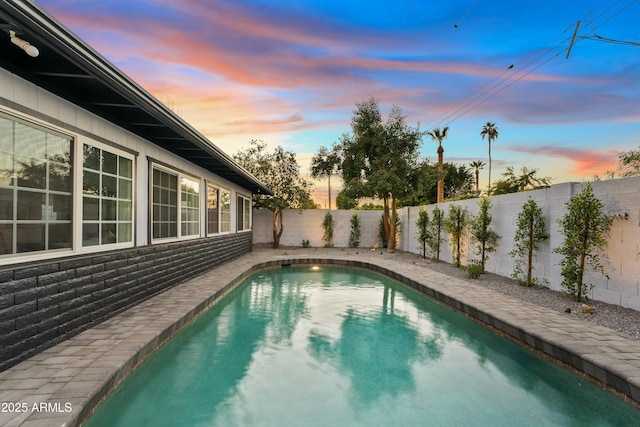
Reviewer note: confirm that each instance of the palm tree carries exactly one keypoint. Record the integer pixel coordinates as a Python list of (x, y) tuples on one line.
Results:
[(439, 135), (477, 165), (325, 163), (491, 132)]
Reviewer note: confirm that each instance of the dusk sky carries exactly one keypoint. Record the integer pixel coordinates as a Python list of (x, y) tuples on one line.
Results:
[(289, 72)]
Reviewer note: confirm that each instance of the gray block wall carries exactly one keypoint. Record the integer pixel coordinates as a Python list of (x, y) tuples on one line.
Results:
[(44, 303), (621, 256)]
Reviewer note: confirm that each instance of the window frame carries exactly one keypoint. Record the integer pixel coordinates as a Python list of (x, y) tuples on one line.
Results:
[(220, 189), (156, 165), (240, 213)]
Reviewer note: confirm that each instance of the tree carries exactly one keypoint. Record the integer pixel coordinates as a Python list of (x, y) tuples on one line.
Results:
[(486, 238), (279, 171), (629, 163), (455, 223), (530, 232), (343, 201), (526, 181), (477, 165), (435, 232), (585, 227), (439, 135), (423, 231), (378, 157), (422, 184), (327, 226), (324, 164), (489, 130), (354, 236)]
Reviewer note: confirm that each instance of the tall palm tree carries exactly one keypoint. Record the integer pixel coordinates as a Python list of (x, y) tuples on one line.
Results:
[(477, 165), (439, 135), (490, 130)]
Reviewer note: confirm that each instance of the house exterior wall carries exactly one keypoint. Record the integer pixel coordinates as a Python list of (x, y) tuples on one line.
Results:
[(621, 257), (49, 295)]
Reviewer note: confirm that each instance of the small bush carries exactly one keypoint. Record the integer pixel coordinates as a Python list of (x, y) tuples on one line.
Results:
[(305, 243), (327, 225), (354, 236), (475, 269)]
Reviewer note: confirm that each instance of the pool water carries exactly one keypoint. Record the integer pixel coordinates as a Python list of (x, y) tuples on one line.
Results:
[(347, 347)]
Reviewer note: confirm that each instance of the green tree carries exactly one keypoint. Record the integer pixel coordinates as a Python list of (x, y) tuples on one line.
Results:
[(279, 171), (530, 232), (526, 181), (423, 231), (440, 135), (435, 232), (344, 201), (356, 232), (585, 227), (324, 164), (490, 130), (477, 165), (327, 225), (629, 163), (455, 223), (458, 180), (486, 238), (378, 157)]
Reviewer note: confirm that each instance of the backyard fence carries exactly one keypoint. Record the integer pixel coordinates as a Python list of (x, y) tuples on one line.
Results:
[(621, 197)]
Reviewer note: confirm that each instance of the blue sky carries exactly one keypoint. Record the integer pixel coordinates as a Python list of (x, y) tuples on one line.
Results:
[(290, 72)]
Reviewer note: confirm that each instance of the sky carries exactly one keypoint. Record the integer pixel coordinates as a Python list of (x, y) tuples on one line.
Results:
[(290, 72)]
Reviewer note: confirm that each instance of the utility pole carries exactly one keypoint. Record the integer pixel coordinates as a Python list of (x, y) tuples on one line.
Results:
[(573, 39)]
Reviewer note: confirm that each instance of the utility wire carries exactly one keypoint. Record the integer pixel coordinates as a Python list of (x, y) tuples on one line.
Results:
[(492, 89)]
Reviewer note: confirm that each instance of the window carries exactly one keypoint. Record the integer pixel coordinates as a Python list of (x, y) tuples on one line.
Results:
[(166, 204), (218, 210), (244, 213), (36, 189), (107, 197)]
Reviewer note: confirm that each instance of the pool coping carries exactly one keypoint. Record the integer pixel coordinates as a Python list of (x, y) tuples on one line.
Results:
[(82, 370)]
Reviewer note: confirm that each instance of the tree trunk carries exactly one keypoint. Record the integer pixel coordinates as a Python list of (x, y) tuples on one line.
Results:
[(489, 189), (278, 227), (583, 256), (477, 180), (329, 176), (391, 237), (440, 172), (530, 254)]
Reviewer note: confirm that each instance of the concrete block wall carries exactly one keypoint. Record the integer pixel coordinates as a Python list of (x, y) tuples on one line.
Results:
[(44, 303), (621, 257)]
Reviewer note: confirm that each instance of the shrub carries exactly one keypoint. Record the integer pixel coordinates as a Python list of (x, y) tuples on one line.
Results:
[(475, 269), (423, 231), (435, 232), (530, 232), (354, 236), (327, 225), (305, 243), (486, 239), (456, 222)]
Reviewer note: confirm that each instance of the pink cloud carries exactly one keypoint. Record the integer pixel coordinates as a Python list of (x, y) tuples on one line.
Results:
[(584, 162)]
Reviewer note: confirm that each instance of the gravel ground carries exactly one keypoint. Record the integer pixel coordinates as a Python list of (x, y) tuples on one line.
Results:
[(615, 317)]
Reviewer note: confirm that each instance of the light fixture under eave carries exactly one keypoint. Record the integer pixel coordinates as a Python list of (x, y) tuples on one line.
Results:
[(24, 45)]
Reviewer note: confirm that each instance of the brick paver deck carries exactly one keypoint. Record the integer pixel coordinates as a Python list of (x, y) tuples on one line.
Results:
[(71, 378)]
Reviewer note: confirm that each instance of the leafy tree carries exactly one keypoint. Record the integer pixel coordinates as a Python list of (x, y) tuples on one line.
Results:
[(378, 157), (490, 130), (423, 230), (327, 225), (435, 232), (455, 223), (486, 238), (527, 180), (477, 165), (629, 163), (458, 180), (354, 236), (530, 232), (279, 171), (440, 135), (585, 227), (324, 164), (344, 201)]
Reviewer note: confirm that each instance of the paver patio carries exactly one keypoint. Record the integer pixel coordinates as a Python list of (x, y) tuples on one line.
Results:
[(75, 375)]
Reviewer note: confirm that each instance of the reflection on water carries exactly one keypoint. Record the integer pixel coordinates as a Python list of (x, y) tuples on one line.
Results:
[(348, 347)]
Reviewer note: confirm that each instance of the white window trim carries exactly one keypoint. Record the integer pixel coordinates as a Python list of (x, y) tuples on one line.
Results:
[(156, 165), (78, 152), (247, 199), (220, 188)]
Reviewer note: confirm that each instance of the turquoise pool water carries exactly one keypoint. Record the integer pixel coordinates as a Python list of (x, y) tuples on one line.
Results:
[(346, 347)]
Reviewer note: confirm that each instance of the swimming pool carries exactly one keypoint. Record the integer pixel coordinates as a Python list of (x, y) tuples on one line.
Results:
[(334, 346)]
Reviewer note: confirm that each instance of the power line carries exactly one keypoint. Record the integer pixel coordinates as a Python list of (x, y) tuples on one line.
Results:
[(493, 88)]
